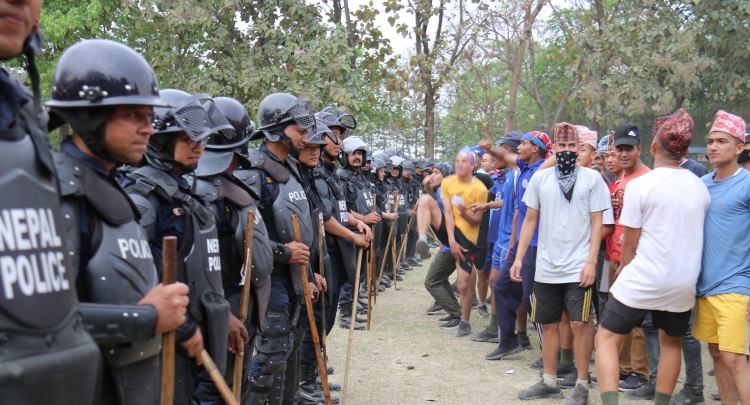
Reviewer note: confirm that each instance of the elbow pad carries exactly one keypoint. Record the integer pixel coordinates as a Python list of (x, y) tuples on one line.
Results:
[(281, 253), (116, 324)]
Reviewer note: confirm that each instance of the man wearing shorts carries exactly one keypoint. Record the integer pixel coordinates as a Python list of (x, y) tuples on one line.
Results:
[(721, 311), (457, 228), (567, 202), (532, 151), (662, 215)]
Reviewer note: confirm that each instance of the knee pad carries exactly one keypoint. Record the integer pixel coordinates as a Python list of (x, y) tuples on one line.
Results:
[(276, 337)]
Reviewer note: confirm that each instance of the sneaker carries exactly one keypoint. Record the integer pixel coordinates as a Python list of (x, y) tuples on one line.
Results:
[(580, 396), (452, 324), (484, 336), (423, 249), (712, 373), (434, 309), (540, 390), (634, 381), (569, 381), (646, 392), (448, 318), (475, 303), (329, 370), (537, 365), (464, 329), (483, 312), (687, 397), (501, 352), (715, 396), (524, 341), (562, 371)]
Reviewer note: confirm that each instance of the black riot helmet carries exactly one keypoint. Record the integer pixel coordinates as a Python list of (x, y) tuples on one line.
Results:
[(316, 135), (348, 146), (397, 160), (341, 119), (407, 167), (91, 79), (377, 164), (225, 144), (187, 114), (385, 158), (279, 110)]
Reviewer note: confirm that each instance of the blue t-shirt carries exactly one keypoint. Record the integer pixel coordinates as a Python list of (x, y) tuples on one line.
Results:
[(497, 191), (725, 268), (523, 181), (443, 248), (505, 214)]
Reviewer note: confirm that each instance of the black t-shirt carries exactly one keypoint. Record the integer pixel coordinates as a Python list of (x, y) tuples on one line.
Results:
[(695, 167)]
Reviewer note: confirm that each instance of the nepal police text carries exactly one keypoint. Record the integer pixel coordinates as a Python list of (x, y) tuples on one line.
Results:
[(31, 258)]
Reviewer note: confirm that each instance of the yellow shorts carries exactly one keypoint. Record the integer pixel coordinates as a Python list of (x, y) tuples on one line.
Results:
[(722, 319)]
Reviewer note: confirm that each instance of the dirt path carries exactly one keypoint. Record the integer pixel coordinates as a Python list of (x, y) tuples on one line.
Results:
[(406, 358)]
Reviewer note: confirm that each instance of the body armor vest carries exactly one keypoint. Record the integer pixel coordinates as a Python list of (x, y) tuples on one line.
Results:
[(239, 200), (198, 258), (330, 188), (121, 269), (40, 327)]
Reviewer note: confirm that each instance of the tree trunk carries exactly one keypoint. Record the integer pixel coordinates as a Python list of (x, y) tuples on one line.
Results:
[(429, 122)]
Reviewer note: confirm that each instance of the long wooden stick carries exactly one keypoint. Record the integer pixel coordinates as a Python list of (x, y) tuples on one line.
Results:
[(321, 270), (311, 317), (244, 299), (371, 265), (169, 276), (351, 328), (385, 255), (210, 366)]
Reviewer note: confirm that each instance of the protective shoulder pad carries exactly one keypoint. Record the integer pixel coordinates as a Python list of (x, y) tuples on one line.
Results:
[(107, 199), (251, 178), (274, 169), (68, 173), (147, 208), (293, 165), (206, 189), (344, 175), (149, 178)]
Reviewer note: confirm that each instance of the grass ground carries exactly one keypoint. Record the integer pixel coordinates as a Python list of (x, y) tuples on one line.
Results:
[(405, 358)]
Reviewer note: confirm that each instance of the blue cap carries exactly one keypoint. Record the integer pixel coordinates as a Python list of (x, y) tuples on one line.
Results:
[(478, 150), (603, 144)]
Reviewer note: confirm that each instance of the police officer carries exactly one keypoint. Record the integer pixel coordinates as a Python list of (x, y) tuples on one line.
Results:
[(359, 201), (385, 201), (122, 306), (340, 239), (284, 121), (42, 338), (403, 213), (222, 172), (411, 194), (171, 207)]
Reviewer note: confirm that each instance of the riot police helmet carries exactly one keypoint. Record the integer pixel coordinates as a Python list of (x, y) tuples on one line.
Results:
[(186, 114), (387, 159), (349, 146), (91, 79), (407, 167), (277, 111)]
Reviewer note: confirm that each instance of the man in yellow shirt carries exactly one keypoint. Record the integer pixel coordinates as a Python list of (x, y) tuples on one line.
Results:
[(457, 228)]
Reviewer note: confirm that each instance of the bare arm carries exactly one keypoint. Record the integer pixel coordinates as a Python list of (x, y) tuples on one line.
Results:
[(607, 230), (498, 153), (527, 233), (333, 227), (629, 245), (588, 273), (450, 227)]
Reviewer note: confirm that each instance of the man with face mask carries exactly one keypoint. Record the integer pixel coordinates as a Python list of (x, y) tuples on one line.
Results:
[(44, 339), (565, 200), (123, 307), (284, 123), (359, 201), (161, 189)]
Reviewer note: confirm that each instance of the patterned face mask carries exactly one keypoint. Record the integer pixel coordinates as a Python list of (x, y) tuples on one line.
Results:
[(566, 172)]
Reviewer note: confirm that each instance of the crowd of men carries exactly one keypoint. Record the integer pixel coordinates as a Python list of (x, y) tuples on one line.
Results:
[(599, 248), (154, 181)]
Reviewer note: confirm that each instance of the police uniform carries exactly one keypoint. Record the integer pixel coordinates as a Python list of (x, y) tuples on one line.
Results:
[(42, 337)]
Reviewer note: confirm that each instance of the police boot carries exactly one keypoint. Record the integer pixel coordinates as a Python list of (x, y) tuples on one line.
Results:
[(309, 393), (331, 387), (345, 317)]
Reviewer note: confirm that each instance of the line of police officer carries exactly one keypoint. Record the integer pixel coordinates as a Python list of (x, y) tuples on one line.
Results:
[(83, 309)]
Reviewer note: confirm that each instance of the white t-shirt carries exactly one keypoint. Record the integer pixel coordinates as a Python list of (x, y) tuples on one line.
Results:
[(669, 206), (565, 226)]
